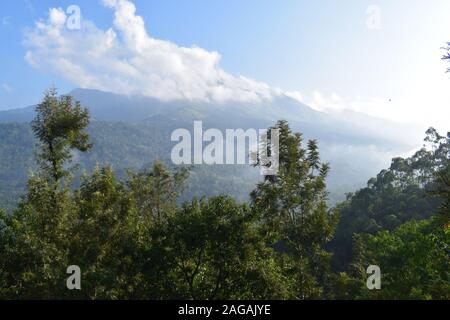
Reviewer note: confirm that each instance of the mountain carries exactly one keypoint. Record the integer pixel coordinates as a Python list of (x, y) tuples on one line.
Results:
[(133, 131)]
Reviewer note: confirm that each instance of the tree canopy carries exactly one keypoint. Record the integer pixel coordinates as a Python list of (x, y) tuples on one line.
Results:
[(133, 238)]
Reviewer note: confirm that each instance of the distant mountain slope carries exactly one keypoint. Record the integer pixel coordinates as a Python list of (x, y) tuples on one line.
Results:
[(124, 146), (103, 107), (347, 127), (129, 132)]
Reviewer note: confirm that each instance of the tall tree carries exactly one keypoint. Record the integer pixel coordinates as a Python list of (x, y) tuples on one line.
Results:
[(104, 237), (156, 190), (59, 127), (440, 148), (212, 250), (36, 252), (294, 214)]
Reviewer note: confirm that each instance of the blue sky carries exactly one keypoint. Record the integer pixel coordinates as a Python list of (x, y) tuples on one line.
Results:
[(327, 52)]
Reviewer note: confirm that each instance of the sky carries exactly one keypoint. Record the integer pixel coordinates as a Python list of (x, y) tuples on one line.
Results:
[(379, 57)]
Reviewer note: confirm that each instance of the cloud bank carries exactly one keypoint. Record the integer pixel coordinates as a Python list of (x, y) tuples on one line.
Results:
[(125, 59)]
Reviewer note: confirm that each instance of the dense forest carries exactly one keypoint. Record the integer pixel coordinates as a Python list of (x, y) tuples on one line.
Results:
[(133, 238), (123, 146)]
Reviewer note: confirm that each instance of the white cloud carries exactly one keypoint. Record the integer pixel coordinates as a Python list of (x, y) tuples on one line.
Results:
[(126, 59), (296, 95), (388, 108)]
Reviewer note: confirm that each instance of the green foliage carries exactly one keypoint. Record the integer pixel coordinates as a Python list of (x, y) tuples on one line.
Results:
[(441, 173), (35, 248), (155, 192), (413, 256), (294, 215), (414, 262), (123, 146), (212, 250), (59, 126), (101, 234), (34, 258), (133, 240), (397, 195)]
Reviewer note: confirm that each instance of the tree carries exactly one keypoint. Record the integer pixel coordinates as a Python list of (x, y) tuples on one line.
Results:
[(443, 191), (3, 247), (59, 127), (396, 195), (155, 191), (294, 214), (35, 250), (413, 260), (412, 255), (103, 237), (212, 250), (440, 146)]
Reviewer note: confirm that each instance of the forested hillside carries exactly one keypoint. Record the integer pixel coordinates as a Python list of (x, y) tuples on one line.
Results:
[(130, 132), (123, 146), (132, 239), (396, 195)]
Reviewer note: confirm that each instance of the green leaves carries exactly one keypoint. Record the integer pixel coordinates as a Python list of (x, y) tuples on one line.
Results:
[(59, 126), (414, 261), (155, 191), (397, 195), (213, 251), (133, 239), (293, 210)]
